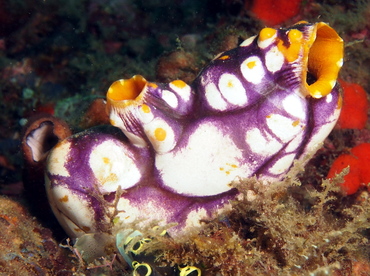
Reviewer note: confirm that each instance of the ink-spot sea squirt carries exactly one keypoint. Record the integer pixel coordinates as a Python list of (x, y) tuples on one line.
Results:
[(251, 111)]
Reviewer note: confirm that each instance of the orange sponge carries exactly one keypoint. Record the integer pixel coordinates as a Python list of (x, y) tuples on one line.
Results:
[(358, 161), (273, 12), (355, 106)]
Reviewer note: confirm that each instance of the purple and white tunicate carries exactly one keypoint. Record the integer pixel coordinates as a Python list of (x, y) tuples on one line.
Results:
[(175, 148)]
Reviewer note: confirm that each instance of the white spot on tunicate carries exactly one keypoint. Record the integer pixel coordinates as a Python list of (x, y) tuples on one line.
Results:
[(282, 164), (184, 92), (114, 118), (248, 41), (75, 213), (322, 131), (113, 166), (146, 116), (160, 135), (295, 143), (283, 127), (135, 139), (260, 144), (274, 59), (170, 98), (294, 105), (205, 165), (58, 159), (125, 117), (213, 97), (252, 69), (232, 89), (328, 98)]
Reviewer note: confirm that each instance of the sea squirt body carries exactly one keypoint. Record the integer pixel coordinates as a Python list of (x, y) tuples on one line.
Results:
[(177, 147)]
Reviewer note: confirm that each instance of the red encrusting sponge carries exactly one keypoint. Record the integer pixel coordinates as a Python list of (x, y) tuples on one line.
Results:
[(358, 161), (273, 12), (362, 152), (355, 106)]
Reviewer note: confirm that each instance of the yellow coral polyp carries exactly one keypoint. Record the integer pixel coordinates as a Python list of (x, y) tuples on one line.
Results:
[(325, 58), (126, 89)]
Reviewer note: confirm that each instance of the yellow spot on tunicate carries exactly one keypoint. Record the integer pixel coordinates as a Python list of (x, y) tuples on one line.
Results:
[(266, 33), (233, 166), (112, 122), (295, 123), (230, 84), (268, 116), (106, 160), (251, 64), (64, 199), (126, 89), (160, 134), (291, 52), (152, 84), (179, 83), (301, 22), (224, 57), (295, 36), (145, 108)]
